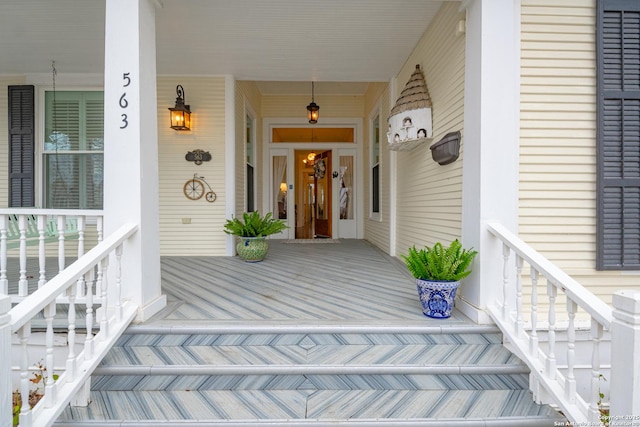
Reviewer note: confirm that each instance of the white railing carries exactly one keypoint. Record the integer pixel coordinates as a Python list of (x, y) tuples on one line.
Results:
[(522, 324), (28, 237), (96, 275)]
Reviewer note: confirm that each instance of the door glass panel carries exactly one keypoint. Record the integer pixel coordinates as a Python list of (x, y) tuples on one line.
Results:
[(346, 187), (280, 187)]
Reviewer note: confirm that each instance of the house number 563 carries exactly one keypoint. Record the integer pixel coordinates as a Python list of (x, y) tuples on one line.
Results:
[(123, 100)]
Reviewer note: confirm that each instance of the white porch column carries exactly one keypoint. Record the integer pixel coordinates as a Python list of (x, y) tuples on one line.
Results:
[(625, 348), (6, 406), (491, 141), (131, 146)]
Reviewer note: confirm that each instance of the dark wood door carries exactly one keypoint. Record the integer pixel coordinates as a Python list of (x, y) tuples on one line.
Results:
[(322, 188)]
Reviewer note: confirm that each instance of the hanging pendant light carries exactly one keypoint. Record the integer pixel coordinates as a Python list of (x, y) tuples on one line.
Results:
[(312, 109)]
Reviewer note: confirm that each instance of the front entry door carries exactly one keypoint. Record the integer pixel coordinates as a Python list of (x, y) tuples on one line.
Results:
[(322, 186)]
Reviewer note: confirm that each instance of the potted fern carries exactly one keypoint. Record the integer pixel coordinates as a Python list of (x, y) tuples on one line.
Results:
[(438, 271), (252, 229)]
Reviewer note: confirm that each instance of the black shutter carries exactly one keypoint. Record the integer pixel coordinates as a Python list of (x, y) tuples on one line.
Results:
[(618, 58), (21, 146)]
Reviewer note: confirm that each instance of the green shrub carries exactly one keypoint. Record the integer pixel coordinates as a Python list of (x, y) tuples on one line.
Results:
[(254, 225), (439, 263)]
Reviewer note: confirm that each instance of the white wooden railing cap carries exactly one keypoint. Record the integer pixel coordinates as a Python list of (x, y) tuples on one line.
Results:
[(627, 306)]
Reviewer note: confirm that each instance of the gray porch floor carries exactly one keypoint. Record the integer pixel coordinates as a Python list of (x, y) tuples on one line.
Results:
[(349, 282)]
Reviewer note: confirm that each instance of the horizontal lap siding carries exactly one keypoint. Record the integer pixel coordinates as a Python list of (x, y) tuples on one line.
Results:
[(558, 139), (558, 130), (429, 207), (204, 235)]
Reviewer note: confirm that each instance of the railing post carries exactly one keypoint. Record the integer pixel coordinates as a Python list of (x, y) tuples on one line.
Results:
[(625, 351), (6, 405)]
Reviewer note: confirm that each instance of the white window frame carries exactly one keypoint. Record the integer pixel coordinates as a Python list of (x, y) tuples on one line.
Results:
[(254, 155), (39, 175)]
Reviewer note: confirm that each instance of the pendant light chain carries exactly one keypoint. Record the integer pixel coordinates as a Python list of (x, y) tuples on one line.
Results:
[(54, 72)]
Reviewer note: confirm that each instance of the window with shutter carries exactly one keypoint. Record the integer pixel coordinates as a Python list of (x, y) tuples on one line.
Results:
[(21, 146), (618, 58), (73, 150)]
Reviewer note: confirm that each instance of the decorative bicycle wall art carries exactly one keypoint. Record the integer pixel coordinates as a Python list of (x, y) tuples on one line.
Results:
[(194, 189)]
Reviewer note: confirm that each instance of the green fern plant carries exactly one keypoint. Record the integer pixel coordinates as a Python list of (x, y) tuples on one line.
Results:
[(439, 263), (254, 225)]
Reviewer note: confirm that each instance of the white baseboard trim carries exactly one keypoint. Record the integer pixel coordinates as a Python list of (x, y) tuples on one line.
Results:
[(147, 311), (474, 313)]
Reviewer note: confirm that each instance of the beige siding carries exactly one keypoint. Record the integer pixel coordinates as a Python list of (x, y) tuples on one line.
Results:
[(558, 139), (429, 201), (5, 81), (204, 234)]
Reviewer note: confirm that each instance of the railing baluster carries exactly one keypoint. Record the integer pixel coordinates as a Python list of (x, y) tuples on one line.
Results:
[(88, 342), (533, 338), (570, 380), (100, 228), (50, 386), (103, 267), (62, 223), (550, 370), (71, 337), (506, 251), (519, 323), (81, 279), (42, 256), (25, 410), (4, 283), (23, 284), (82, 222), (119, 282), (596, 336)]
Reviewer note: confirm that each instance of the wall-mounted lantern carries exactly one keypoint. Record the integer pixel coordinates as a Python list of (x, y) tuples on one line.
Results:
[(181, 113)]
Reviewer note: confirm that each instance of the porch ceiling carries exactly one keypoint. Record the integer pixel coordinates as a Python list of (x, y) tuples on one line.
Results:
[(271, 41)]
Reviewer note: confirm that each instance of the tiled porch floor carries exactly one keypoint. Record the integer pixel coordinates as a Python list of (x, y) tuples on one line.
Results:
[(347, 282)]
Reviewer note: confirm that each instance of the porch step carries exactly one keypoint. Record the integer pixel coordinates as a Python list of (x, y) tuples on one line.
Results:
[(303, 375)]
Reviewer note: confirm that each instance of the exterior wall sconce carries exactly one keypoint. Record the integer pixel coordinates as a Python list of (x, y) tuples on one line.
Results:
[(181, 113), (312, 109)]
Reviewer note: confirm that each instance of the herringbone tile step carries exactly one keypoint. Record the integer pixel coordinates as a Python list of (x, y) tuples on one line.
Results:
[(311, 376)]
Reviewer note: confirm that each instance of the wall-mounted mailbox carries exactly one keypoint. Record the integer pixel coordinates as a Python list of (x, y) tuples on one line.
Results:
[(447, 149)]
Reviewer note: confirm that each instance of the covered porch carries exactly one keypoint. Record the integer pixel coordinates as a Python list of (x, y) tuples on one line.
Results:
[(340, 282)]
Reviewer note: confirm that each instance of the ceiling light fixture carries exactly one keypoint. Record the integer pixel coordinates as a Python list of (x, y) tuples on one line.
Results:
[(312, 109)]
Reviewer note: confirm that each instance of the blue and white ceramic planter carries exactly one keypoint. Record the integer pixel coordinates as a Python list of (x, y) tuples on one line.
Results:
[(437, 297), (252, 249)]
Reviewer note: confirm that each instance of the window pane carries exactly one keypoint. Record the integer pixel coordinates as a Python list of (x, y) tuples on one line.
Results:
[(249, 140), (346, 187), (74, 121), (280, 187), (250, 189), (74, 181), (74, 124), (375, 197)]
